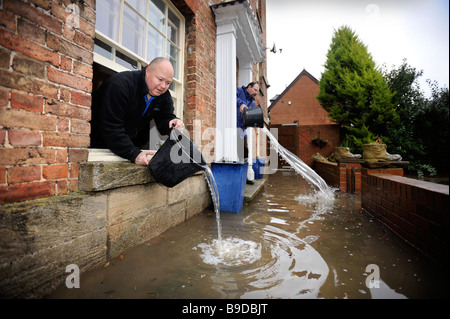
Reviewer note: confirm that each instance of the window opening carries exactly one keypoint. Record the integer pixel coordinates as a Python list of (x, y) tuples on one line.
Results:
[(131, 33)]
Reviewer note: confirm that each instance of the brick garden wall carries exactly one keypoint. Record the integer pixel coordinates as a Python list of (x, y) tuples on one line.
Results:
[(308, 132), (415, 210), (345, 176), (45, 85)]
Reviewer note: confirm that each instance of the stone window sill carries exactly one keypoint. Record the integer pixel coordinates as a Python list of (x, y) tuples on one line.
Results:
[(105, 170), (101, 176)]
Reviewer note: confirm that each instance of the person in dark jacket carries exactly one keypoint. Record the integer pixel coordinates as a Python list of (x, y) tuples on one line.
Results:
[(124, 106), (245, 98)]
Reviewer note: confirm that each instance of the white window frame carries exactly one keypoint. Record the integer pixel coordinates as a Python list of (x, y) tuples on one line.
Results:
[(142, 61)]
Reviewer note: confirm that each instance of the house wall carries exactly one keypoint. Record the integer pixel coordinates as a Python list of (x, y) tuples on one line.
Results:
[(46, 84), (304, 107), (45, 87), (200, 95), (313, 120)]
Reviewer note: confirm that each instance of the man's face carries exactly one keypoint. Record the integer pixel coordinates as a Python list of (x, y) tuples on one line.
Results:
[(253, 91), (158, 78)]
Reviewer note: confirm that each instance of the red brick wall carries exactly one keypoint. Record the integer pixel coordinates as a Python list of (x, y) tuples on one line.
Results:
[(308, 132), (200, 79), (348, 176), (329, 172), (45, 85), (345, 176), (312, 118), (304, 107), (415, 210)]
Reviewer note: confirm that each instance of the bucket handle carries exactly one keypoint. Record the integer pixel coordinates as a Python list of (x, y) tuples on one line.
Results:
[(178, 141)]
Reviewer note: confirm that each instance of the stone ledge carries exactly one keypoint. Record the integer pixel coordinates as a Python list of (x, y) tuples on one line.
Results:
[(252, 190), (386, 164), (101, 176)]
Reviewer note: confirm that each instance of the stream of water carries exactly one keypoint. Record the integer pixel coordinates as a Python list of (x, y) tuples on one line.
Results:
[(300, 167), (236, 251)]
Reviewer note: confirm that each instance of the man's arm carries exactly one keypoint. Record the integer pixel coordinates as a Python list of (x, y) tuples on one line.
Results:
[(113, 112), (240, 100)]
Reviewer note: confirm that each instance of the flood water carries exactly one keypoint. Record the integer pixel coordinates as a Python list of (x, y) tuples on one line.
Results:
[(291, 245)]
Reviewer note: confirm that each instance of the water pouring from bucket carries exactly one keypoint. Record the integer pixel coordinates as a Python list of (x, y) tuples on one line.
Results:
[(176, 160), (254, 117)]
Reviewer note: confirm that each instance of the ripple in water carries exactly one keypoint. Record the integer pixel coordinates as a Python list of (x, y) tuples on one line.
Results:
[(229, 252)]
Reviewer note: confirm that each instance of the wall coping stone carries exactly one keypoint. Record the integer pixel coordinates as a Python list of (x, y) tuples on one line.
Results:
[(438, 188), (101, 176)]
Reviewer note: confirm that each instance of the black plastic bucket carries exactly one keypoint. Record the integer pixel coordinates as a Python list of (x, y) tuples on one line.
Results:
[(177, 159), (254, 117)]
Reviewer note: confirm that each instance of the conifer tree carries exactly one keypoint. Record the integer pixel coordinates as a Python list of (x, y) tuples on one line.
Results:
[(354, 91)]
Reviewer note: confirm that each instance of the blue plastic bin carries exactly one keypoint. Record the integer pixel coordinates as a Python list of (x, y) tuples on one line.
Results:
[(258, 167), (231, 179)]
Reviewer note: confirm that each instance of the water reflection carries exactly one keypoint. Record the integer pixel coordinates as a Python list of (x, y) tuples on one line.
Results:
[(285, 243), (293, 270)]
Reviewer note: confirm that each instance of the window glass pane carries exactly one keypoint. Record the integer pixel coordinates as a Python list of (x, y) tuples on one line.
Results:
[(157, 14), (174, 26), (139, 5), (173, 56), (133, 31), (107, 18), (103, 49), (172, 33), (155, 44)]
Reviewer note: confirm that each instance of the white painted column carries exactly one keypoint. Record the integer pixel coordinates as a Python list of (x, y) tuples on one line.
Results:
[(245, 72), (226, 132)]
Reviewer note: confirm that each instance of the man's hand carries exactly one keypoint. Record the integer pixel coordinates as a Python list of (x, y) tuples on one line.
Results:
[(142, 159), (176, 123), (242, 108)]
